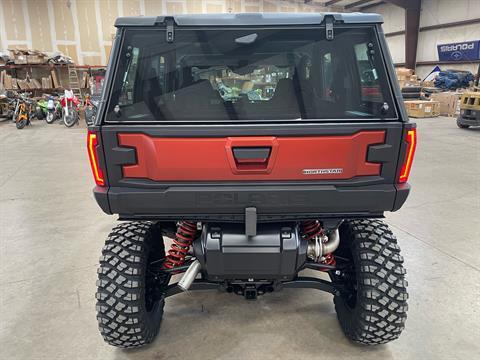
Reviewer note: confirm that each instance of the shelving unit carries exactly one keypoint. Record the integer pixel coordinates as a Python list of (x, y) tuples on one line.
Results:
[(61, 72)]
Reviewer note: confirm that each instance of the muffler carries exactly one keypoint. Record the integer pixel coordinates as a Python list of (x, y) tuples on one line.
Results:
[(189, 276)]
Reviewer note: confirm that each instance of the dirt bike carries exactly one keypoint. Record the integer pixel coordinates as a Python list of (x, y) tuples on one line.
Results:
[(90, 108), (41, 109), (70, 108), (54, 110), (23, 112)]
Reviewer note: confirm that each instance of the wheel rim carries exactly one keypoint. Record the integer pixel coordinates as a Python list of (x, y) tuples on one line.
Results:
[(348, 280), (351, 286), (69, 120), (155, 283), (21, 124)]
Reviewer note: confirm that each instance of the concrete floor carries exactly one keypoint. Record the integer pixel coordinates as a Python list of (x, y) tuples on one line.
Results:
[(52, 231)]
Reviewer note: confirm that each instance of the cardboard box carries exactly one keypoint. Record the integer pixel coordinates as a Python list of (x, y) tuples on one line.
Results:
[(22, 84), (55, 83), (404, 72), (45, 84), (422, 108), (7, 82), (20, 60), (430, 83), (449, 102), (36, 57), (35, 84), (406, 77), (19, 56)]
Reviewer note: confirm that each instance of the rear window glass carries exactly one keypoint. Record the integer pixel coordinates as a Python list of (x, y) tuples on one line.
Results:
[(249, 75)]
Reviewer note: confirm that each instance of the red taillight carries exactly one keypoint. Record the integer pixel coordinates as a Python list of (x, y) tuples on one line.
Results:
[(92, 143), (411, 140)]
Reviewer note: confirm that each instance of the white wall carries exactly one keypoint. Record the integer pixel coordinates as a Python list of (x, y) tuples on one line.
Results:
[(429, 39), (443, 11), (433, 12), (393, 16)]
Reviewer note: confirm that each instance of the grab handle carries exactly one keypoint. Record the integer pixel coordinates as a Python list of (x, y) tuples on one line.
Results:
[(251, 155)]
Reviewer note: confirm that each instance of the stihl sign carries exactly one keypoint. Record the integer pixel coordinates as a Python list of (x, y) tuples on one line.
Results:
[(464, 51)]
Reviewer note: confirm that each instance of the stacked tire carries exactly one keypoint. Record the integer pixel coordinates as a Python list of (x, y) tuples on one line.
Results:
[(411, 92)]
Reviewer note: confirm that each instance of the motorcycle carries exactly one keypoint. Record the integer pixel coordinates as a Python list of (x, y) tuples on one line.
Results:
[(54, 110), (91, 106), (70, 108), (23, 112), (6, 107), (41, 109)]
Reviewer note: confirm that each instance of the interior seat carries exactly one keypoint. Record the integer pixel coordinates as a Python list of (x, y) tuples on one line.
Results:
[(200, 101)]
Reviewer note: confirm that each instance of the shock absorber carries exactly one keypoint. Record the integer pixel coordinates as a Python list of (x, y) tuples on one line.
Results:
[(184, 237), (314, 234)]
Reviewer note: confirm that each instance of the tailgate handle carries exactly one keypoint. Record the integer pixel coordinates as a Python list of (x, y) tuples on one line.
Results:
[(251, 155)]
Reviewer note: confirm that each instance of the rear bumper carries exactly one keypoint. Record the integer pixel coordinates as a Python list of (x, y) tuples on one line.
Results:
[(273, 203)]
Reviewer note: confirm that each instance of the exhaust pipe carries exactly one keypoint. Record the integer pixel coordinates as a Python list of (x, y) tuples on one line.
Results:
[(318, 247), (332, 244), (189, 277)]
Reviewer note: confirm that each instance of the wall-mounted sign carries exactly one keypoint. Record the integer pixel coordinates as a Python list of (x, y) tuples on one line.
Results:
[(464, 51)]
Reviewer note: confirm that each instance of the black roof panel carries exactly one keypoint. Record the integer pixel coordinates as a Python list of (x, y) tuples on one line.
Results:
[(250, 19)]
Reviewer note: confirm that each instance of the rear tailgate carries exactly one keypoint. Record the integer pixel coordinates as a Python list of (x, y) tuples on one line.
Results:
[(306, 170)]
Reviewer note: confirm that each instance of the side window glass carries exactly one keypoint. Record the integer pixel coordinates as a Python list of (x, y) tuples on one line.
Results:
[(371, 91), (159, 73), (128, 81), (327, 76)]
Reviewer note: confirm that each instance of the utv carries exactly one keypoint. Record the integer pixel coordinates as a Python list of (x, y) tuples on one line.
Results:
[(263, 145)]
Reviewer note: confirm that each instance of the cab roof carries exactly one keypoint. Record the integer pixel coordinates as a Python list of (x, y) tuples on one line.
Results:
[(250, 19)]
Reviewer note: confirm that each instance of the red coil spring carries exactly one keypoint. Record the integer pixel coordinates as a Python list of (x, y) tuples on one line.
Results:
[(186, 233), (311, 229)]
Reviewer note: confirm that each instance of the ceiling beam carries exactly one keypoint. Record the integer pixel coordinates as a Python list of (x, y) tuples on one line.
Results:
[(332, 2), (401, 3), (357, 4), (363, 8), (405, 3), (412, 27), (438, 26)]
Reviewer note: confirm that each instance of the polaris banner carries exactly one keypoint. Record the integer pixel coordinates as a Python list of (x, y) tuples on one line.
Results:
[(464, 51)]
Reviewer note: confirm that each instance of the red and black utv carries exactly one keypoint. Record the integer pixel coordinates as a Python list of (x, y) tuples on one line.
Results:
[(263, 145)]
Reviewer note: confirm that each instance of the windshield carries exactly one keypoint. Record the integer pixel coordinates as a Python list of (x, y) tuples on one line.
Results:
[(250, 75)]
